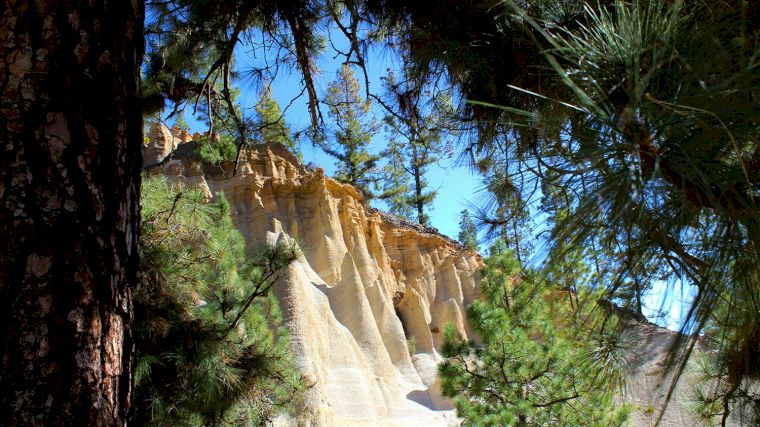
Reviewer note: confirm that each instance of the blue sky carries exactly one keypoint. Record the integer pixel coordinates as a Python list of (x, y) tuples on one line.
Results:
[(458, 187), (456, 184)]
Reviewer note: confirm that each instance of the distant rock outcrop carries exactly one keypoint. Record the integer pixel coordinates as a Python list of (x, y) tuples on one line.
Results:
[(650, 376), (161, 142)]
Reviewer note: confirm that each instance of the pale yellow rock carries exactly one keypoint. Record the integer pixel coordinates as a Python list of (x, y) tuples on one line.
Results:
[(365, 285), (161, 143), (181, 135)]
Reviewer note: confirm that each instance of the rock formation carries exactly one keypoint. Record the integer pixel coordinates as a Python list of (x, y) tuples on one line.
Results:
[(161, 142), (650, 377), (367, 303), (368, 289)]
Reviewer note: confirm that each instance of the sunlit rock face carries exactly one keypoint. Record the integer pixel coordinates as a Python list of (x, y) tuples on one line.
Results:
[(365, 286), (161, 142)]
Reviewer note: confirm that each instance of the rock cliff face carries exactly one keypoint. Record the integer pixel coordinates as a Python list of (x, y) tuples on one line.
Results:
[(367, 303), (650, 377), (367, 287)]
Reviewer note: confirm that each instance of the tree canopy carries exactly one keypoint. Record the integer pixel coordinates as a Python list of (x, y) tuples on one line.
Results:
[(631, 126), (533, 362), (271, 122), (354, 125), (210, 348), (468, 233), (416, 122)]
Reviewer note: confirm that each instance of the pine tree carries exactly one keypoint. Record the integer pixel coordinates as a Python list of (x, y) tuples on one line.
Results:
[(644, 132), (181, 122), (271, 123), (408, 163), (468, 234), (191, 48), (531, 366), (354, 126), (416, 131), (209, 342), (675, 189), (221, 142), (396, 183), (69, 209), (505, 214)]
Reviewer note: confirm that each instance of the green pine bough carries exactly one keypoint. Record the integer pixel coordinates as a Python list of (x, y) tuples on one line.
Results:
[(539, 358), (209, 342)]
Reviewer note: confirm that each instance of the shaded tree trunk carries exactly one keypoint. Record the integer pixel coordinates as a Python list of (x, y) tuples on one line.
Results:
[(418, 200), (71, 130)]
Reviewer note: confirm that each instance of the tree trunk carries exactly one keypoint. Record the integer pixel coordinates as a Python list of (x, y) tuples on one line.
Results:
[(418, 201), (71, 130)]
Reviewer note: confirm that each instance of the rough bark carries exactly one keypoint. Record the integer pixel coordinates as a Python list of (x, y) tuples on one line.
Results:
[(71, 131)]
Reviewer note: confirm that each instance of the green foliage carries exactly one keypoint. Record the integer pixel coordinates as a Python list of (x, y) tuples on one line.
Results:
[(271, 123), (669, 96), (642, 143), (181, 123), (505, 214), (190, 43), (416, 124), (727, 390), (222, 149), (537, 362), (210, 348), (405, 187), (354, 126), (468, 235), (395, 183), (229, 127), (411, 345), (223, 126)]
